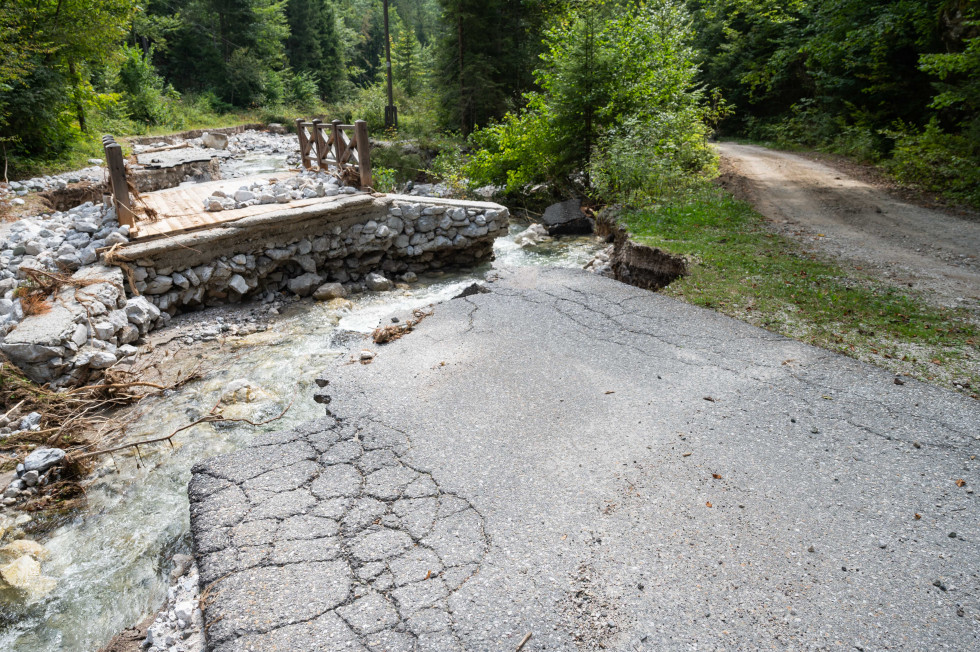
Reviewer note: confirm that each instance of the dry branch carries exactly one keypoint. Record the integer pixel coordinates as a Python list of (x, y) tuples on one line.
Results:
[(214, 416)]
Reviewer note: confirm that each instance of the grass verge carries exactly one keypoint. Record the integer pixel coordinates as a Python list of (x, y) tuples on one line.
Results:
[(739, 268)]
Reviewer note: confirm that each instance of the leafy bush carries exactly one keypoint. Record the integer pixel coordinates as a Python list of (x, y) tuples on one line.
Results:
[(384, 179), (403, 161), (618, 100), (143, 90), (643, 161), (937, 161), (448, 169)]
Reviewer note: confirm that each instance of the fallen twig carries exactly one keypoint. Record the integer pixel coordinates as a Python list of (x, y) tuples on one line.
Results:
[(523, 642), (13, 409), (213, 416)]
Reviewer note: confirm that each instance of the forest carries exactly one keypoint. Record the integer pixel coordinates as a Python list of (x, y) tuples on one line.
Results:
[(618, 98)]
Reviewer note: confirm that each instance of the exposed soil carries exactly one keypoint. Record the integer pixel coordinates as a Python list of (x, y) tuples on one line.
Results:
[(850, 217)]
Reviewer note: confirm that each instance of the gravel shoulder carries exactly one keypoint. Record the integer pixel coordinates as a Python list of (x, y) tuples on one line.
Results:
[(601, 467), (932, 251)]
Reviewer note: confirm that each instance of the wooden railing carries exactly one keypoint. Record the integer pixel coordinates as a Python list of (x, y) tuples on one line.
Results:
[(325, 145), (117, 180)]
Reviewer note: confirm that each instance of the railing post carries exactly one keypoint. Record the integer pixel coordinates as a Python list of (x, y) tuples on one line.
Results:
[(304, 143), (338, 144), (117, 177), (321, 145), (363, 153)]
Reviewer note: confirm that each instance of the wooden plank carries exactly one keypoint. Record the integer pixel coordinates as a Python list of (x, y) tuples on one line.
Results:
[(183, 207), (187, 223), (338, 144), (117, 177)]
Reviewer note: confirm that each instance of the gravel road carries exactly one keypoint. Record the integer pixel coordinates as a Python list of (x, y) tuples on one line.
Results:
[(840, 215)]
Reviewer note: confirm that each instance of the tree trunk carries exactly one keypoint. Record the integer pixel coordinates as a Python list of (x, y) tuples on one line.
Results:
[(462, 97), (76, 100)]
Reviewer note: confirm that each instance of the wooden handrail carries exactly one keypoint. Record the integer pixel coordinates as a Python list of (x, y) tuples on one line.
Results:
[(324, 140)]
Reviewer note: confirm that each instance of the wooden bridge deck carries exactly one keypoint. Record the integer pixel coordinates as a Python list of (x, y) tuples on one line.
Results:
[(181, 209)]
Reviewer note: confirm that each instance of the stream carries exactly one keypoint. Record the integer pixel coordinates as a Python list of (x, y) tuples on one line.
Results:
[(111, 559)]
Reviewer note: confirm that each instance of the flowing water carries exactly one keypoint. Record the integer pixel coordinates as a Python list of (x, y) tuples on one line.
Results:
[(111, 560)]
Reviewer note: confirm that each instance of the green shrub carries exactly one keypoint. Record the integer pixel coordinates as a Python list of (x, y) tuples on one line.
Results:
[(142, 89), (937, 161), (405, 164), (384, 179)]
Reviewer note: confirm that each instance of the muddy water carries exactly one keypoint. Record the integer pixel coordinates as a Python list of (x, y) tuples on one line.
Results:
[(111, 560)]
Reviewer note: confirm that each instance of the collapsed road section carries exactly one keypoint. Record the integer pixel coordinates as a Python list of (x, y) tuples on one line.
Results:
[(644, 475)]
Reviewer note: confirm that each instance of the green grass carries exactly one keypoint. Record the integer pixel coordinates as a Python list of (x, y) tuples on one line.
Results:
[(740, 268)]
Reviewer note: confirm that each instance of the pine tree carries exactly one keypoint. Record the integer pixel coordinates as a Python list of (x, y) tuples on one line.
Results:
[(313, 45), (406, 55)]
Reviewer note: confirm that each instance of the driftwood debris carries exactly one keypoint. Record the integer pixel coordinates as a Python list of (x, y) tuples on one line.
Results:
[(392, 332)]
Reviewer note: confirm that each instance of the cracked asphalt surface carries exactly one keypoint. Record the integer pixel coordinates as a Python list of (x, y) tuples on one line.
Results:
[(603, 468)]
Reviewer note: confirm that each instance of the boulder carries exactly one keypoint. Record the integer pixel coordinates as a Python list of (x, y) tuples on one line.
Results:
[(329, 291), (377, 282), (21, 547), (214, 141), (24, 574), (115, 238), (101, 360), (238, 284), (566, 218), (304, 284), (40, 339), (43, 459), (532, 235), (159, 284), (141, 313)]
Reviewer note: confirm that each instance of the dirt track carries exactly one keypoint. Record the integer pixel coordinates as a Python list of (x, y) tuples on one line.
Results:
[(931, 251)]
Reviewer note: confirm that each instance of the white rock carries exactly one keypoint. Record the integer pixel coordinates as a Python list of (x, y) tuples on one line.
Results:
[(184, 610), (141, 312), (377, 282), (214, 141), (115, 238), (102, 360), (238, 284), (103, 330), (43, 459)]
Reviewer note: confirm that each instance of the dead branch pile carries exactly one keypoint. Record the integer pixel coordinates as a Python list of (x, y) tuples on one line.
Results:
[(34, 293), (80, 418), (392, 332)]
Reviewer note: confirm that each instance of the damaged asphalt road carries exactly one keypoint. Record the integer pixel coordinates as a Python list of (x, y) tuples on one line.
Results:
[(601, 467)]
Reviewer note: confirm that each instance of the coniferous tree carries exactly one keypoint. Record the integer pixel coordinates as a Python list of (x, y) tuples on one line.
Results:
[(313, 45)]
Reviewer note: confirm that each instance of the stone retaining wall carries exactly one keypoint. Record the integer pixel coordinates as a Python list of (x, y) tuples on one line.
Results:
[(361, 241), (341, 241)]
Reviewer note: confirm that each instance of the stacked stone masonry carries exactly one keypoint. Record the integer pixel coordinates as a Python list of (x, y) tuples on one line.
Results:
[(97, 319), (395, 236)]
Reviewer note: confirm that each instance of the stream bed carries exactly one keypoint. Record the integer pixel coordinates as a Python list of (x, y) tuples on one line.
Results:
[(111, 559)]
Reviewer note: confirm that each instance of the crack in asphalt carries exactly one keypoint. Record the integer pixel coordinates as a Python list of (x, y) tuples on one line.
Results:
[(328, 520)]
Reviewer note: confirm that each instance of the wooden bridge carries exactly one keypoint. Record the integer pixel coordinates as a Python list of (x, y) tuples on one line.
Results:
[(335, 148)]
